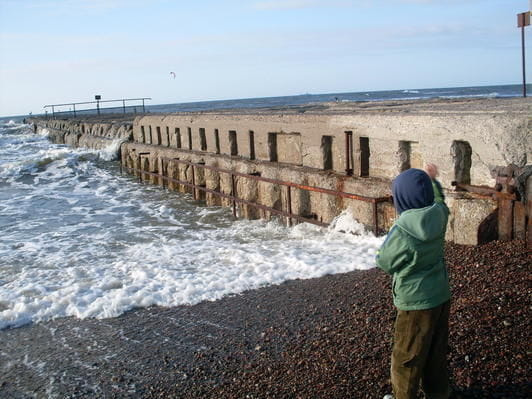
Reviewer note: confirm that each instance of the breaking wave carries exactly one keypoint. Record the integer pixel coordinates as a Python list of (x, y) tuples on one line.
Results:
[(79, 239)]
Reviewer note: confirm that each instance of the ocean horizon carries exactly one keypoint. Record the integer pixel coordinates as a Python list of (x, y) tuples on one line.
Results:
[(488, 91)]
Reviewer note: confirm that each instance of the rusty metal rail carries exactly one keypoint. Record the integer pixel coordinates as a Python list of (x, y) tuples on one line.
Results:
[(231, 197), (234, 199), (284, 183), (485, 191)]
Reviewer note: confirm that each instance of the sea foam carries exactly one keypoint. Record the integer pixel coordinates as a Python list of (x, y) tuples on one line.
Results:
[(79, 239)]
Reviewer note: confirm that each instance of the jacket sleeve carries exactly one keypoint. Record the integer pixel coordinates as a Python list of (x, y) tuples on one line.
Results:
[(438, 191), (394, 252)]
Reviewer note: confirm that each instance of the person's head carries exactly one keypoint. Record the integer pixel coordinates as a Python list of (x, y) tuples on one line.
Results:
[(412, 189), (432, 170)]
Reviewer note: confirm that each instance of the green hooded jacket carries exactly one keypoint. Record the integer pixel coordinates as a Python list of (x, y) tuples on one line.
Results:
[(438, 191), (413, 254)]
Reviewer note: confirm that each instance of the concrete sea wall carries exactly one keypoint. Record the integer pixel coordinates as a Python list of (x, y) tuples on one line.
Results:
[(88, 134), (482, 148)]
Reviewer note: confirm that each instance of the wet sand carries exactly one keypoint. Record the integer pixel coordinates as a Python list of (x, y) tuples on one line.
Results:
[(320, 338)]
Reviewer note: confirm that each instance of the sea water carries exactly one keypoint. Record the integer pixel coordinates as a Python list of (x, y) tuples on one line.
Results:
[(500, 91), (80, 239)]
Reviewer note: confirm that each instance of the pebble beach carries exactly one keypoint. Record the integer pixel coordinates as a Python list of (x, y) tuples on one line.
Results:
[(328, 337)]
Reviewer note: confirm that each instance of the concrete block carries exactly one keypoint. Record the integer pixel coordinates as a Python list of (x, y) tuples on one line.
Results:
[(469, 216)]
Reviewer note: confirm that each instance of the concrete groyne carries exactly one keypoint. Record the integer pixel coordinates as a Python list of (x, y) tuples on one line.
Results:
[(89, 133), (310, 163)]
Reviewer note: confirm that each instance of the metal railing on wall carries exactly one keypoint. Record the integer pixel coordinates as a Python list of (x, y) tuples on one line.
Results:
[(132, 105), (288, 214)]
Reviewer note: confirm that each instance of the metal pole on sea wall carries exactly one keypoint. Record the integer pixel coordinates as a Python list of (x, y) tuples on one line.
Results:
[(523, 57), (523, 19), (98, 98)]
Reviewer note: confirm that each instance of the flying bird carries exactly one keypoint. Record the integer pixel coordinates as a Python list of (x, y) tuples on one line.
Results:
[(173, 74)]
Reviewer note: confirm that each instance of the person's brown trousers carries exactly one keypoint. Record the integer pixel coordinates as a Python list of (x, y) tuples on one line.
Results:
[(420, 353)]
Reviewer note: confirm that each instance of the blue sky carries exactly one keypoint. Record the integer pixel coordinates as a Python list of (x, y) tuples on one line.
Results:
[(54, 51)]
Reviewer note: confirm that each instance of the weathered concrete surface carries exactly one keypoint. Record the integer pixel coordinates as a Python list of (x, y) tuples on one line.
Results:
[(497, 130), (89, 134), (471, 141), (322, 207), (466, 217)]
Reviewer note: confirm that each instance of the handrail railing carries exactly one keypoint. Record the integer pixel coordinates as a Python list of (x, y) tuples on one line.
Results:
[(286, 213), (97, 108)]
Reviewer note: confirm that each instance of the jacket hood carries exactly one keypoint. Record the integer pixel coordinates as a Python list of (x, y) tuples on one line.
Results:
[(425, 224), (412, 189)]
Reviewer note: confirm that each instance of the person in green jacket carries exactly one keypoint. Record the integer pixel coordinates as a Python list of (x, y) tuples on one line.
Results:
[(413, 255), (432, 171)]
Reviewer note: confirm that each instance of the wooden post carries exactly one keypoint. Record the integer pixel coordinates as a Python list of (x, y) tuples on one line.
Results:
[(529, 212), (529, 226), (519, 221), (505, 219), (233, 189), (193, 183), (161, 173), (289, 205)]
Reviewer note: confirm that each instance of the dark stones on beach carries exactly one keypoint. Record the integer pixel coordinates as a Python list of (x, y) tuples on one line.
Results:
[(334, 340), (321, 338)]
